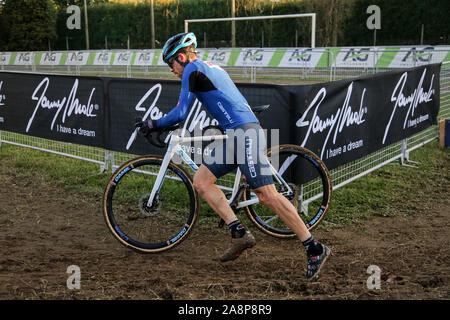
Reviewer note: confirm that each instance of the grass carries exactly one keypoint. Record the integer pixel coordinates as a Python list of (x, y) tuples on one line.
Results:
[(384, 192), (394, 188)]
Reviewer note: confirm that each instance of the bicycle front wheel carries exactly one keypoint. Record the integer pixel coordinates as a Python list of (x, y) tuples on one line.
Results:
[(156, 227), (309, 190)]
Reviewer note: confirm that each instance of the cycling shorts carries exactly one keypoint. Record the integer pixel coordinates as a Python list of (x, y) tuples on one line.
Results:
[(244, 149)]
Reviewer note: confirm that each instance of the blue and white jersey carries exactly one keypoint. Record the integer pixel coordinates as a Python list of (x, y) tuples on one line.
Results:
[(214, 88)]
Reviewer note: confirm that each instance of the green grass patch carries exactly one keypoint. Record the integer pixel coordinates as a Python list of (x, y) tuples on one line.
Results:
[(385, 192)]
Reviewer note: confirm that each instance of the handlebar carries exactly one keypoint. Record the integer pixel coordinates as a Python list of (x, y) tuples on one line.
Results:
[(156, 136)]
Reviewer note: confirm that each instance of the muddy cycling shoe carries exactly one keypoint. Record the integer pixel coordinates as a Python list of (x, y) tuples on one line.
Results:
[(237, 246), (315, 263)]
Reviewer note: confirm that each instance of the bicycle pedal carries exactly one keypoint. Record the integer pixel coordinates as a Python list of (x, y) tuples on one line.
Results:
[(221, 223)]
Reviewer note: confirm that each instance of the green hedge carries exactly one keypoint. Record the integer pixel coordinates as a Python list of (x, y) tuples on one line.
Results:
[(339, 23)]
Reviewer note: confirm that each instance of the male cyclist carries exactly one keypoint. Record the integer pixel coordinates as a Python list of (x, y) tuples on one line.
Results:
[(213, 87)]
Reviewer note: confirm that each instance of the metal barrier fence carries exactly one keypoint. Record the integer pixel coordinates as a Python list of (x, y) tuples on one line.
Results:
[(340, 176)]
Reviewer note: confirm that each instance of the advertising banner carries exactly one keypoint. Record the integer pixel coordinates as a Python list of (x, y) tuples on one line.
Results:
[(345, 120), (24, 59), (131, 99), (5, 58), (358, 57), (300, 58), (50, 58), (418, 56), (340, 57), (143, 58), (103, 58), (254, 57), (62, 108), (122, 58), (77, 58), (340, 121), (219, 57)]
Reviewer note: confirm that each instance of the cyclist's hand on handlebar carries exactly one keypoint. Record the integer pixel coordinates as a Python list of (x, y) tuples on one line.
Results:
[(146, 127)]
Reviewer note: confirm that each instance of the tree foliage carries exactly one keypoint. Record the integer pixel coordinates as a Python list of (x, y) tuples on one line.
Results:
[(27, 24), (401, 22), (112, 24)]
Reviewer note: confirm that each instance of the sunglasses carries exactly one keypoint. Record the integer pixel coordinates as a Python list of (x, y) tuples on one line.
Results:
[(171, 61)]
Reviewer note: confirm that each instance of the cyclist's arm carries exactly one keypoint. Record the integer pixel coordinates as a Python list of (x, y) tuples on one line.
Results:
[(181, 111)]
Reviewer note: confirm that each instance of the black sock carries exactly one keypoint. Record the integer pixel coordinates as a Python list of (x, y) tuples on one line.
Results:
[(312, 246), (237, 229)]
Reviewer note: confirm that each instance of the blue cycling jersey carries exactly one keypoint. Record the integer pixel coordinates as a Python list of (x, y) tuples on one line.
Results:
[(214, 88)]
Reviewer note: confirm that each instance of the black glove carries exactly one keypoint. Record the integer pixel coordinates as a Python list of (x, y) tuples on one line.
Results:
[(146, 127)]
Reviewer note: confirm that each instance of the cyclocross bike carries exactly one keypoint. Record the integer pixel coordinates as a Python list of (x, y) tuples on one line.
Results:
[(150, 204)]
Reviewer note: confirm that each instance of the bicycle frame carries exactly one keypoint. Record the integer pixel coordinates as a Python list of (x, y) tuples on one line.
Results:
[(175, 148)]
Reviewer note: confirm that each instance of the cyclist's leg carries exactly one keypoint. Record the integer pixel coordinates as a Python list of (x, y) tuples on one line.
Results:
[(215, 166), (270, 197), (256, 169), (204, 183)]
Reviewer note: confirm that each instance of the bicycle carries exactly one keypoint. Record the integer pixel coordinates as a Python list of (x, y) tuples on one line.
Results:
[(151, 212)]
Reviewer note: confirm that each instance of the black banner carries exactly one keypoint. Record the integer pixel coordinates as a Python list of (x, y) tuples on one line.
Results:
[(340, 121), (345, 120), (132, 98), (62, 108)]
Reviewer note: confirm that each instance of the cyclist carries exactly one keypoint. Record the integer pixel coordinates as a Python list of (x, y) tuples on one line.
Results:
[(213, 87)]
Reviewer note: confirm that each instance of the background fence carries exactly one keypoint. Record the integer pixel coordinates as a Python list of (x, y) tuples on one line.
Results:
[(308, 66)]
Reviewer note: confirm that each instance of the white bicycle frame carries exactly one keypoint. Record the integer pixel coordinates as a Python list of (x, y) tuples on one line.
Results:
[(175, 148)]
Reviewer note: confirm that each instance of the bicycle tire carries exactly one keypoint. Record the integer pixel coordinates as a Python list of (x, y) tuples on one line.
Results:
[(266, 220), (150, 229)]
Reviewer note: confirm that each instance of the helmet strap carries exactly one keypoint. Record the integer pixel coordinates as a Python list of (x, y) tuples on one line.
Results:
[(183, 64)]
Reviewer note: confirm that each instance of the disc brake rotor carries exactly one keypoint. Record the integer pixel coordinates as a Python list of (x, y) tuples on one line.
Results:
[(154, 209)]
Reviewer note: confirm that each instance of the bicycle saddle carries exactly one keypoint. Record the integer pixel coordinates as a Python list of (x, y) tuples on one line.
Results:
[(259, 109)]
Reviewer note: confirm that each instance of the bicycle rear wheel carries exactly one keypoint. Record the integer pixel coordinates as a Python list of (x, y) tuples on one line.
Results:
[(310, 181), (166, 222)]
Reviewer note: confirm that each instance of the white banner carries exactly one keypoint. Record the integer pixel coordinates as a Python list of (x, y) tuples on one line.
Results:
[(358, 57), (301, 58), (50, 58), (4, 58), (122, 58), (254, 57), (143, 58), (103, 58), (24, 58), (418, 56), (77, 58), (219, 57)]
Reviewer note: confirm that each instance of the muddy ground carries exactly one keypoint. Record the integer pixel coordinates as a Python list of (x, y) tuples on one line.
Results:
[(45, 230)]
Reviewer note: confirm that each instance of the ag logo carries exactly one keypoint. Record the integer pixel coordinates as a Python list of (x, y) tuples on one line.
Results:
[(254, 55), (218, 56), (418, 55), (301, 55), (123, 57), (75, 57), (144, 57), (49, 56), (103, 58), (24, 57), (361, 54)]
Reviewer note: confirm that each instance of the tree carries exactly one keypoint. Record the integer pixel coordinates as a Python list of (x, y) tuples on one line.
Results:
[(30, 24)]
